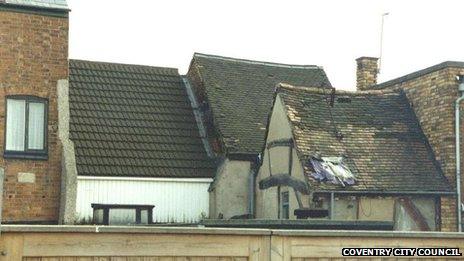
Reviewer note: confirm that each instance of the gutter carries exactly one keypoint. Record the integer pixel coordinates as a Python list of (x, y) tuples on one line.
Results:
[(198, 117), (146, 179)]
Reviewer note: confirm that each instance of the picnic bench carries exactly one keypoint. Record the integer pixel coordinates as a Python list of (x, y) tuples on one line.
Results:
[(105, 208)]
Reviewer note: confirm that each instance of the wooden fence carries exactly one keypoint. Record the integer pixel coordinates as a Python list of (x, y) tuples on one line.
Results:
[(60, 243)]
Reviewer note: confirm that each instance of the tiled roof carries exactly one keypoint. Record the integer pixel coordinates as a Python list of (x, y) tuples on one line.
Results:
[(132, 120), (55, 4), (240, 93), (381, 139)]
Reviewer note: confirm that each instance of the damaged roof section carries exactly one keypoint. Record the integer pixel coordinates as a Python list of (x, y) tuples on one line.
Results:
[(240, 95), (132, 120), (332, 169), (375, 132)]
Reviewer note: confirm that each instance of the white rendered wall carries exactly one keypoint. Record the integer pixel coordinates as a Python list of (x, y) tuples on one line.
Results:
[(175, 199)]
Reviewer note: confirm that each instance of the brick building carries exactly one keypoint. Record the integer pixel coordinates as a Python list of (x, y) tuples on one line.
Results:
[(431, 93), (34, 56)]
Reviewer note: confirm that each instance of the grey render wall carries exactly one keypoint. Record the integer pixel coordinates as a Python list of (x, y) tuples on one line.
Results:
[(68, 195), (229, 191)]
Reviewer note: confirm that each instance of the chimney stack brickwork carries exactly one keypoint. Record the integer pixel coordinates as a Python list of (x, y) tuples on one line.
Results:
[(366, 72)]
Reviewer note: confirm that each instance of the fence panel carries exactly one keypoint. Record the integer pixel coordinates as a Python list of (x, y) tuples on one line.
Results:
[(77, 243)]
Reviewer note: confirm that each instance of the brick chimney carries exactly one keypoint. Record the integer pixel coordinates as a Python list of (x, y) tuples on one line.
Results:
[(366, 72)]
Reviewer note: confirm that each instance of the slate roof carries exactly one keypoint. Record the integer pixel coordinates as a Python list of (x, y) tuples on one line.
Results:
[(54, 4), (240, 94), (132, 120), (382, 140)]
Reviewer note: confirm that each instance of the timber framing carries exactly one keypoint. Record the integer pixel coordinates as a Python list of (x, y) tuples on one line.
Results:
[(280, 143), (284, 180)]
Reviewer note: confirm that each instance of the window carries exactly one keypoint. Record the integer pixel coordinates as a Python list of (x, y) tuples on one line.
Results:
[(26, 127), (285, 205)]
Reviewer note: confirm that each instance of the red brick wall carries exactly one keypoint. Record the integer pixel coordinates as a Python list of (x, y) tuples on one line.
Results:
[(432, 97), (34, 56)]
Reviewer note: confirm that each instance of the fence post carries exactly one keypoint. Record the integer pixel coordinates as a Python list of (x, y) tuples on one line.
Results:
[(280, 248)]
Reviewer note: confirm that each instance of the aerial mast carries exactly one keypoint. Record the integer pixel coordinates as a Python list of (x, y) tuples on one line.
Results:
[(381, 40)]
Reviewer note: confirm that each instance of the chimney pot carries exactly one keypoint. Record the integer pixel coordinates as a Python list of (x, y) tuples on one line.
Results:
[(366, 72)]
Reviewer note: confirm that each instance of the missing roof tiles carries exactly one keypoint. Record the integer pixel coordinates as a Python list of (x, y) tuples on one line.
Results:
[(333, 170)]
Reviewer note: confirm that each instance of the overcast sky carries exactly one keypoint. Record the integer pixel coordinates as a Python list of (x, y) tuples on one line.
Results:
[(328, 33)]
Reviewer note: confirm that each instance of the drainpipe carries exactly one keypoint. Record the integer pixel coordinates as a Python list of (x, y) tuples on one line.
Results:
[(254, 167), (251, 191), (458, 152), (332, 205)]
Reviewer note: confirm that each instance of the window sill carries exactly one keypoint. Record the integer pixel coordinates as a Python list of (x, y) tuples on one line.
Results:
[(25, 156)]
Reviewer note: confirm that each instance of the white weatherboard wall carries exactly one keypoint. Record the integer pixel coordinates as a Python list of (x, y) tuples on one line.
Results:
[(175, 199)]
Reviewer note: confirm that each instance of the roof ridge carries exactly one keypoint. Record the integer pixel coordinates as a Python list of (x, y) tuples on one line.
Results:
[(283, 65), (318, 90), (124, 64), (60, 5)]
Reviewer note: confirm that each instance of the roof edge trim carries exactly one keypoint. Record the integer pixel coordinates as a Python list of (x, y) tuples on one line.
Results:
[(282, 65), (318, 90), (419, 73), (46, 11), (122, 64)]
